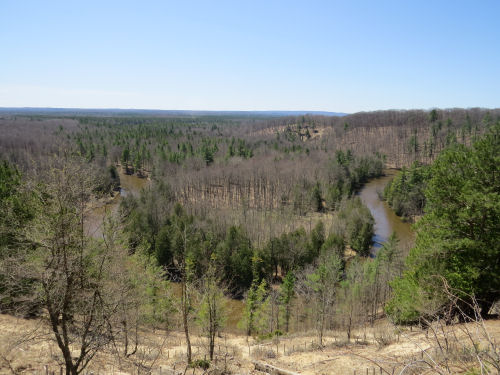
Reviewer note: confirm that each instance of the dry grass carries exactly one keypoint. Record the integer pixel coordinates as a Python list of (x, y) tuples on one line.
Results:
[(26, 347)]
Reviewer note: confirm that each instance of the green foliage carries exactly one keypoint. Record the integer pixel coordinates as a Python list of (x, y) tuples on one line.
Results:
[(211, 314), (389, 255), (239, 148), (295, 250), (108, 180), (256, 306), (153, 223), (322, 286), (17, 208), (316, 199), (326, 274), (261, 317), (211, 310), (473, 371), (405, 193), (287, 292), (114, 176), (234, 254), (200, 363), (407, 303), (84, 285), (146, 221), (125, 156), (10, 180), (317, 238), (163, 247), (458, 239), (154, 300), (413, 146), (333, 244), (287, 288), (346, 173), (358, 225), (208, 150), (433, 116), (350, 295)]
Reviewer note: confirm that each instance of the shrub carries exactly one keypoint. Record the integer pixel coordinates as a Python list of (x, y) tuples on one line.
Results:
[(200, 363)]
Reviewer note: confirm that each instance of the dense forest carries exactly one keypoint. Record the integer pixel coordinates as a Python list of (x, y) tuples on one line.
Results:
[(257, 209)]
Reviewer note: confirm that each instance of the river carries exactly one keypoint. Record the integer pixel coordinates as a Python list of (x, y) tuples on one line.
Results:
[(129, 184), (386, 221)]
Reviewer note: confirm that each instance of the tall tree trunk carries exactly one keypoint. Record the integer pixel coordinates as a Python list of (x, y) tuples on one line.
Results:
[(185, 308)]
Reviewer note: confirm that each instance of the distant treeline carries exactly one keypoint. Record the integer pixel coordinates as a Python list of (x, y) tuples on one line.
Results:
[(98, 292)]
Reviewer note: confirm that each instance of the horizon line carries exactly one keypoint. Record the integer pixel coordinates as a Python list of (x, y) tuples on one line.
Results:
[(2, 108)]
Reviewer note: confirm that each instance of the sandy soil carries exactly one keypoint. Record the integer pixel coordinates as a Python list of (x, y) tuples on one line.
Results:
[(26, 347)]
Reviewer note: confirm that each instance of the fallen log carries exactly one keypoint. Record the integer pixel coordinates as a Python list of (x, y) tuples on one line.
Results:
[(264, 367)]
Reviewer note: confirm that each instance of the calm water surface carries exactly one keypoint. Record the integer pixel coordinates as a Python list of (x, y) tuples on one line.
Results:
[(128, 185), (386, 221)]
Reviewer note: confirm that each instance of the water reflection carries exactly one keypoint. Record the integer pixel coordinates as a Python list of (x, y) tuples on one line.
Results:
[(386, 221), (131, 184)]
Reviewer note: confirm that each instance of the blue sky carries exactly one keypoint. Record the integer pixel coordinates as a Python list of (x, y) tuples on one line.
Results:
[(250, 55)]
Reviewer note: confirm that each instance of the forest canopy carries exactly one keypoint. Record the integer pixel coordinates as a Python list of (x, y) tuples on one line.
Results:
[(458, 238), (261, 211)]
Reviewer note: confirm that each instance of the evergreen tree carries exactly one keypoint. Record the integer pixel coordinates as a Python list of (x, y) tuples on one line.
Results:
[(458, 239), (287, 292)]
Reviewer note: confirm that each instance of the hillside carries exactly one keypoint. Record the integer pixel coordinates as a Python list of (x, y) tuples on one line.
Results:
[(379, 349)]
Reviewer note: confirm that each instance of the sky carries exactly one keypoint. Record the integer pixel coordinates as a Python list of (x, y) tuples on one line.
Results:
[(341, 56)]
